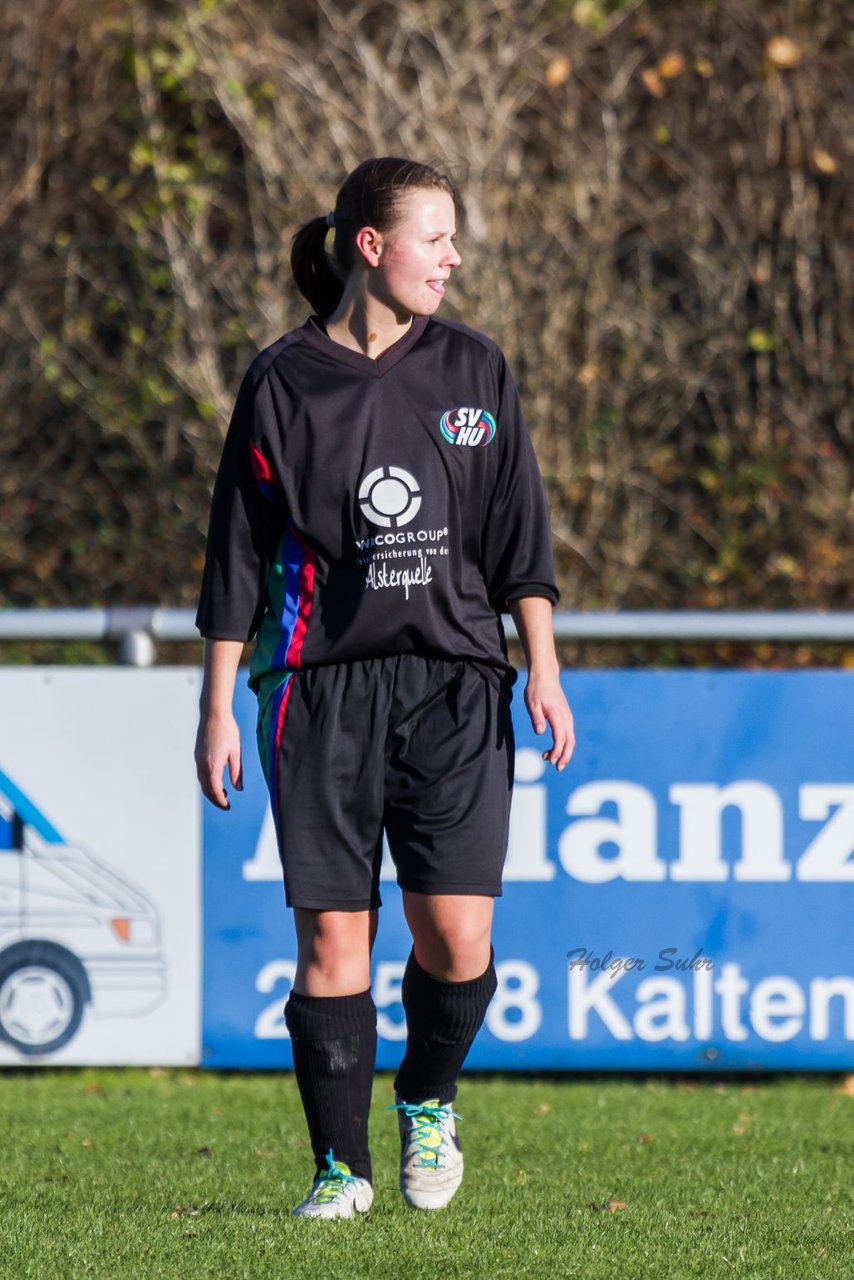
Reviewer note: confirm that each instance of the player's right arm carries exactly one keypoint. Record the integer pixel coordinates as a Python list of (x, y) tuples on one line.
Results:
[(218, 738), (246, 522)]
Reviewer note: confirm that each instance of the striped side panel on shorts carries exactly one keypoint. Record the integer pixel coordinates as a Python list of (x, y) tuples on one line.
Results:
[(298, 565)]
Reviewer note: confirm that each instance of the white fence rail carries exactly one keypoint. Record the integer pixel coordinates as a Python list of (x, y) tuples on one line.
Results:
[(137, 629)]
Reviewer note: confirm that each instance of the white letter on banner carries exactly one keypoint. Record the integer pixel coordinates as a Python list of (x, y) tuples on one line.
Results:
[(527, 857), (701, 805), (582, 997), (703, 1004), (387, 869), (633, 831), (730, 986), (663, 1014), (774, 998), (822, 991), (828, 856), (264, 863)]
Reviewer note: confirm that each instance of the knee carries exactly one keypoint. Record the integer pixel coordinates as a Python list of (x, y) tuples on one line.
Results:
[(455, 952), (333, 953)]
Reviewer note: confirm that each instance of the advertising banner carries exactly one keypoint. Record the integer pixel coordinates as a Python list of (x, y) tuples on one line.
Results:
[(100, 867), (679, 898)]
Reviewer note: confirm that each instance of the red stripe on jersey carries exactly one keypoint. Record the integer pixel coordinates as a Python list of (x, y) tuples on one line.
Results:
[(261, 469), (306, 595)]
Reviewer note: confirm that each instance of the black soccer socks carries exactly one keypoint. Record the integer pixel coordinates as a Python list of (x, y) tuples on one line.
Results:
[(335, 1046), (442, 1021)]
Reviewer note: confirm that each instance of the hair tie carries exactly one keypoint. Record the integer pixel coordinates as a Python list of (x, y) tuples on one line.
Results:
[(330, 218)]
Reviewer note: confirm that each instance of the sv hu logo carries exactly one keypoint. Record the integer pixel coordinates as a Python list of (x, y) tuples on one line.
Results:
[(467, 426)]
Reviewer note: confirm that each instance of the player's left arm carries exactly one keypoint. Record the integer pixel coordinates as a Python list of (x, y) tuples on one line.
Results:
[(544, 696)]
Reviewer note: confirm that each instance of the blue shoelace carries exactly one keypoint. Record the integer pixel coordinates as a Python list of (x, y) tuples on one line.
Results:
[(426, 1129), (332, 1180)]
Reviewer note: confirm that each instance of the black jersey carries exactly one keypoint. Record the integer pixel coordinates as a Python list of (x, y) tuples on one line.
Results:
[(365, 508)]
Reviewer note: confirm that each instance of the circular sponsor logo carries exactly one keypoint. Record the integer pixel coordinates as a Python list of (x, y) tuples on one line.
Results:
[(389, 497)]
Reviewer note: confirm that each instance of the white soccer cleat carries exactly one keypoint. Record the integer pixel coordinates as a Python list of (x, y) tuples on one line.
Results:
[(335, 1193), (431, 1162)]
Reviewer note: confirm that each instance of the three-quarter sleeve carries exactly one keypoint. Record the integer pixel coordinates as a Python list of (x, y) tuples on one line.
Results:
[(246, 520), (516, 543)]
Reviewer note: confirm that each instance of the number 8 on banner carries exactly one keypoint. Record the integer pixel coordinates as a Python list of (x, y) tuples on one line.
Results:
[(518, 984)]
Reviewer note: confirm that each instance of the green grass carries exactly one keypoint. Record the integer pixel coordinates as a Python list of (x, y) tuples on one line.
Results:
[(135, 1173)]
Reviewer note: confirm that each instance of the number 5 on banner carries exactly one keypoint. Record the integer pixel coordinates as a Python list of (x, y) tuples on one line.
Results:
[(387, 991)]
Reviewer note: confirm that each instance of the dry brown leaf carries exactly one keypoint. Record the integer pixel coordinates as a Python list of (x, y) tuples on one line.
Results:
[(824, 161), (87, 1142), (704, 68), (588, 373), (671, 65), (847, 1086), (93, 1088), (558, 71), (653, 82), (614, 1206), (645, 1137), (261, 1153), (783, 51), (542, 1109)]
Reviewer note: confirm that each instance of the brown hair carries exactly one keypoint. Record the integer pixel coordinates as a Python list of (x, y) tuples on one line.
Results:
[(369, 197)]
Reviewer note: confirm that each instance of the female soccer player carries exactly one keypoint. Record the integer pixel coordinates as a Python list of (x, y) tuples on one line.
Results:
[(377, 506)]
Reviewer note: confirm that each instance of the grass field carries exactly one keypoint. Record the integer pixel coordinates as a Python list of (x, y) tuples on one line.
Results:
[(120, 1173)]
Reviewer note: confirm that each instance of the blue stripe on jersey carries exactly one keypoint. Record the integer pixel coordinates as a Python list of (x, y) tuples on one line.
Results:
[(292, 556)]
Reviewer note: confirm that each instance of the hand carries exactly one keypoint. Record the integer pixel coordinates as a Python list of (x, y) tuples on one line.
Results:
[(546, 703), (218, 745)]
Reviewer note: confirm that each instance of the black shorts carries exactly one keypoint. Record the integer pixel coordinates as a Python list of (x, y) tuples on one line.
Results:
[(419, 747)]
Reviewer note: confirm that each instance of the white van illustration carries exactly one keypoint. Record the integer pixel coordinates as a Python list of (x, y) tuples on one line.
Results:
[(72, 934)]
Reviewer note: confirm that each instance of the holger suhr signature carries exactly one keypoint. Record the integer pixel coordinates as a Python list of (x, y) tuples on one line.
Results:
[(668, 959)]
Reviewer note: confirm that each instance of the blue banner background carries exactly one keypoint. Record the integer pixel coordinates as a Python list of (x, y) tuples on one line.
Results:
[(639, 735)]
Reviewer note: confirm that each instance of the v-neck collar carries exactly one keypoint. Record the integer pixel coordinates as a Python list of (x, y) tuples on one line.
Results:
[(314, 332)]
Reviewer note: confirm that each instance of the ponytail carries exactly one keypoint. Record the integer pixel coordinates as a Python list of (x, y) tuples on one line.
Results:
[(370, 197), (316, 278)]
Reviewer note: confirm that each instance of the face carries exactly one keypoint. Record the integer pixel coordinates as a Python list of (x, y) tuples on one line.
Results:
[(415, 259)]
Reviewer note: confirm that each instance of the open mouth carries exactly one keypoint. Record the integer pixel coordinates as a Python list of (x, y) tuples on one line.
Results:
[(438, 286)]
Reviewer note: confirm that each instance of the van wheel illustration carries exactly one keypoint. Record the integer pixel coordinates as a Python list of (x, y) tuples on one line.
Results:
[(43, 992)]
